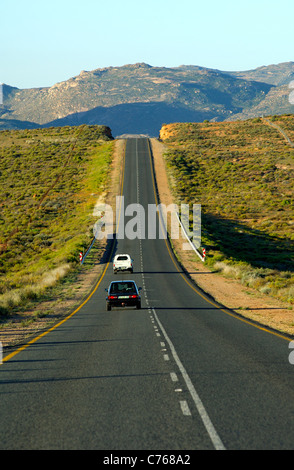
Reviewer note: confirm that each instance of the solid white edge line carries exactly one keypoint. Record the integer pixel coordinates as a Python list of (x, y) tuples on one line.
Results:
[(215, 439)]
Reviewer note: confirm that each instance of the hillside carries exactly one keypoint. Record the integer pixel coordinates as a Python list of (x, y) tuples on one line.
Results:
[(139, 98), (276, 74), (50, 180), (242, 175)]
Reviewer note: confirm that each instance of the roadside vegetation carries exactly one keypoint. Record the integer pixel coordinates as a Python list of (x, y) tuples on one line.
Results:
[(50, 180), (242, 174)]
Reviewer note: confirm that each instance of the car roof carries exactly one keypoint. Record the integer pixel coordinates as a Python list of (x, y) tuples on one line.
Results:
[(121, 254)]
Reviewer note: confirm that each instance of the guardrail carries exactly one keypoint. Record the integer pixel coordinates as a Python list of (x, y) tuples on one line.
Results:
[(83, 256), (97, 228), (202, 257)]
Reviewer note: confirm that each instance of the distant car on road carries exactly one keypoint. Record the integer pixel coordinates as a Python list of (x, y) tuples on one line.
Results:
[(122, 262), (123, 294)]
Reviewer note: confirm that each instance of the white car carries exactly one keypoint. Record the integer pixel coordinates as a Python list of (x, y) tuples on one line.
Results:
[(122, 262)]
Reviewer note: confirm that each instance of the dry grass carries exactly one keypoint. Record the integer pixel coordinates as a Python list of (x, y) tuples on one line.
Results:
[(50, 181), (226, 289), (242, 174)]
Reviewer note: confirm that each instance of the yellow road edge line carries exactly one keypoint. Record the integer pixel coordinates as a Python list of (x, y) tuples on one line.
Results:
[(228, 311), (32, 341)]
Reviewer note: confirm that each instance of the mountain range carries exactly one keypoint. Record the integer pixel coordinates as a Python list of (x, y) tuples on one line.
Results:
[(139, 98)]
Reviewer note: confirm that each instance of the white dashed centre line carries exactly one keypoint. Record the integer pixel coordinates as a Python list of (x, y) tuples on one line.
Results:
[(185, 408), (174, 377)]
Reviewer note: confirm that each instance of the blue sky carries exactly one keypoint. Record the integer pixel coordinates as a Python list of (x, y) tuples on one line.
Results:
[(43, 43)]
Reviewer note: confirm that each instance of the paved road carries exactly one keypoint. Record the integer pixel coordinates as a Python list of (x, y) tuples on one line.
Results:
[(179, 374)]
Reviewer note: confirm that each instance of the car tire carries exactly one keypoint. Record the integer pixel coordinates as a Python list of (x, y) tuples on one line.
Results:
[(138, 306), (108, 307)]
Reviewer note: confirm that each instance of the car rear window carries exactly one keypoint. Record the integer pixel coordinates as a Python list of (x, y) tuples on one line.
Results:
[(122, 288), (122, 258)]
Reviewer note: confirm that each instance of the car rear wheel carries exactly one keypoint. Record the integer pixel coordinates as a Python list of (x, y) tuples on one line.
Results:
[(108, 307), (138, 306)]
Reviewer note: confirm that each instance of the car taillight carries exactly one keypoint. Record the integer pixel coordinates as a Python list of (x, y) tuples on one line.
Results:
[(133, 296), (111, 297)]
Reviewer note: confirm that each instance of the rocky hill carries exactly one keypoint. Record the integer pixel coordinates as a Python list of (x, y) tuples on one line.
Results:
[(139, 98)]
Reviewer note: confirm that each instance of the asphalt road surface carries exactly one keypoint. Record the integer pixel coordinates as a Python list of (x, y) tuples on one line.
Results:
[(182, 373)]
